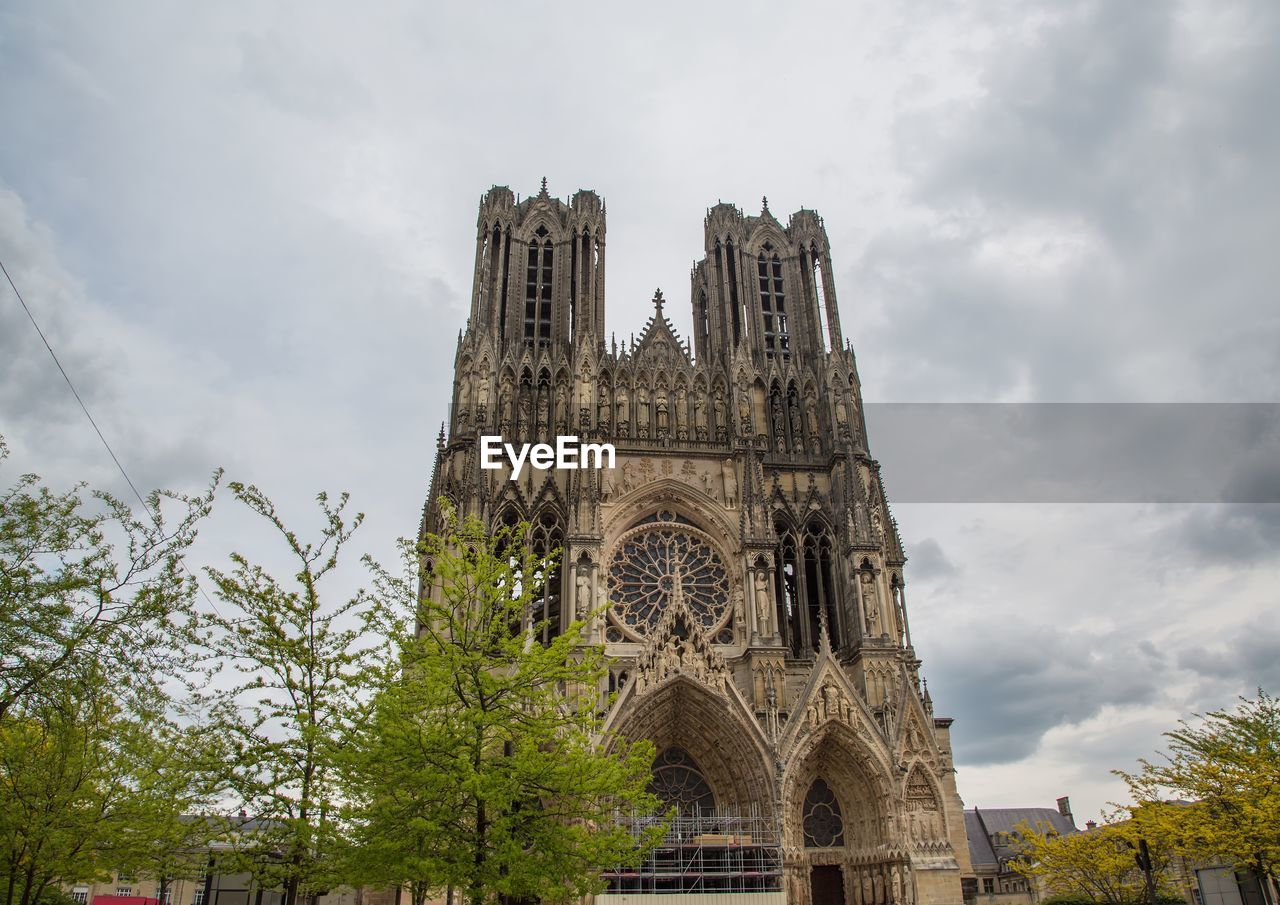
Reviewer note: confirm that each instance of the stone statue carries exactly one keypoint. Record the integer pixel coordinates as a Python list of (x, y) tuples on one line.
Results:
[(811, 414), (622, 400), (681, 402), (482, 391), (730, 484), (717, 407), (763, 622), (660, 409), (869, 610), (738, 606), (583, 584)]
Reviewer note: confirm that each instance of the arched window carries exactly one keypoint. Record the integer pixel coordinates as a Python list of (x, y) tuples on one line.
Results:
[(819, 590), (822, 821), (679, 783), (537, 288), (704, 323), (777, 340), (546, 537), (820, 295), (734, 304), (790, 615)]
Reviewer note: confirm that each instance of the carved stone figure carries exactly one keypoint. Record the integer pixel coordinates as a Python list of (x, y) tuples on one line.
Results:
[(730, 484), (660, 409), (622, 400), (869, 609), (811, 414), (583, 583), (763, 623)]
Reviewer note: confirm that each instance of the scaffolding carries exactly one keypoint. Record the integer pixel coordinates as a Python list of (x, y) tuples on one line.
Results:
[(700, 854)]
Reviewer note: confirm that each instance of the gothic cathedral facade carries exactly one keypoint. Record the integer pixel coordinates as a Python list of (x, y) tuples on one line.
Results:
[(739, 562)]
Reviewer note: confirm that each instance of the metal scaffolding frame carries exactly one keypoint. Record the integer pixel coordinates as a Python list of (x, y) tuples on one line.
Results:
[(700, 854)]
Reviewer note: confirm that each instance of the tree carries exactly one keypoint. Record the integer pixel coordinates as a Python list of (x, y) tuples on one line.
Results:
[(91, 597), (1099, 865), (90, 781), (82, 586), (308, 666), (483, 767), (1216, 792)]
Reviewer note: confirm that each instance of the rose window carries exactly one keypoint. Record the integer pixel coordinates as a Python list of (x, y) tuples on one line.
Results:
[(655, 562)]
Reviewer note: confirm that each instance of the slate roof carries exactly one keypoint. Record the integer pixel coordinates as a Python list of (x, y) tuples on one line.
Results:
[(982, 825)]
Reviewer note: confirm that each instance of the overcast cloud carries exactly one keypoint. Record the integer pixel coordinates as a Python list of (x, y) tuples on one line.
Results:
[(248, 231)]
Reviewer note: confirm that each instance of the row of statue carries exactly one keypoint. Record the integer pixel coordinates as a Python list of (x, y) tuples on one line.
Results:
[(643, 412)]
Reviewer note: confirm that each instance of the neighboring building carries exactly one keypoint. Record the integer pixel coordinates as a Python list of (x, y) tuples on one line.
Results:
[(992, 836), (757, 612)]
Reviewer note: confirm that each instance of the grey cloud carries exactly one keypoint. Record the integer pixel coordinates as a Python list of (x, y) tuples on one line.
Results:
[(929, 561), (1021, 681), (1236, 535), (1097, 221), (1248, 660)]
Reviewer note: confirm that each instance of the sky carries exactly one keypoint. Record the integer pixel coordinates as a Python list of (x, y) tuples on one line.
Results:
[(248, 232)]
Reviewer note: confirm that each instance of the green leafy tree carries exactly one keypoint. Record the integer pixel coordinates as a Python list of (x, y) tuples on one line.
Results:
[(1216, 792), (82, 585), (91, 781), (483, 767), (90, 599), (306, 669)]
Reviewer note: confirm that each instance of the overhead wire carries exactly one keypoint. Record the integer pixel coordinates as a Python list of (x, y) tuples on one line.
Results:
[(97, 430)]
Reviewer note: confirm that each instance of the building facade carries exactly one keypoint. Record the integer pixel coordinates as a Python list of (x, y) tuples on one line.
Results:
[(740, 560)]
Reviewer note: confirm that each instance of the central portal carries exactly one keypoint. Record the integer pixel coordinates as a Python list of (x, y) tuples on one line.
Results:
[(826, 885)]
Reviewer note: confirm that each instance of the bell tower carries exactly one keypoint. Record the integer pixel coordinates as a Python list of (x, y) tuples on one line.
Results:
[(539, 274)]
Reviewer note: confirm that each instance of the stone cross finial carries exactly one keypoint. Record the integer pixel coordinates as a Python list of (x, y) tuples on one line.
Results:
[(658, 301), (765, 203), (544, 186)]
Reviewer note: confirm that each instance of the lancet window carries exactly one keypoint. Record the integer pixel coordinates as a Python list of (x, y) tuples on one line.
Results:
[(537, 288), (777, 339)]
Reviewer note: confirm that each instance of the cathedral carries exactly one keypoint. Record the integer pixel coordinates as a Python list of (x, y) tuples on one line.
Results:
[(738, 563)]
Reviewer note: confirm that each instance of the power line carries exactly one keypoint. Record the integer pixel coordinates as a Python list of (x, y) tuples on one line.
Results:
[(84, 408)]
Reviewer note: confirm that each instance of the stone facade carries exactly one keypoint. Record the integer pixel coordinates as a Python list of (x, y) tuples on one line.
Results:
[(739, 563)]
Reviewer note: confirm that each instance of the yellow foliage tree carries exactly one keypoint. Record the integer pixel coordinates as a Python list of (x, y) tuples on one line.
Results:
[(1216, 793), (1099, 865)]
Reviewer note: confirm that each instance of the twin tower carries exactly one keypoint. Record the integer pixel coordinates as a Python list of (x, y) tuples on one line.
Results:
[(739, 563)]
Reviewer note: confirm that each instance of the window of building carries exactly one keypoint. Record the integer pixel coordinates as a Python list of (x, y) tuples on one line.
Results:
[(546, 536), (823, 823), (80, 894), (199, 898), (988, 885), (820, 294), (777, 340), (679, 783), (124, 890), (537, 288)]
